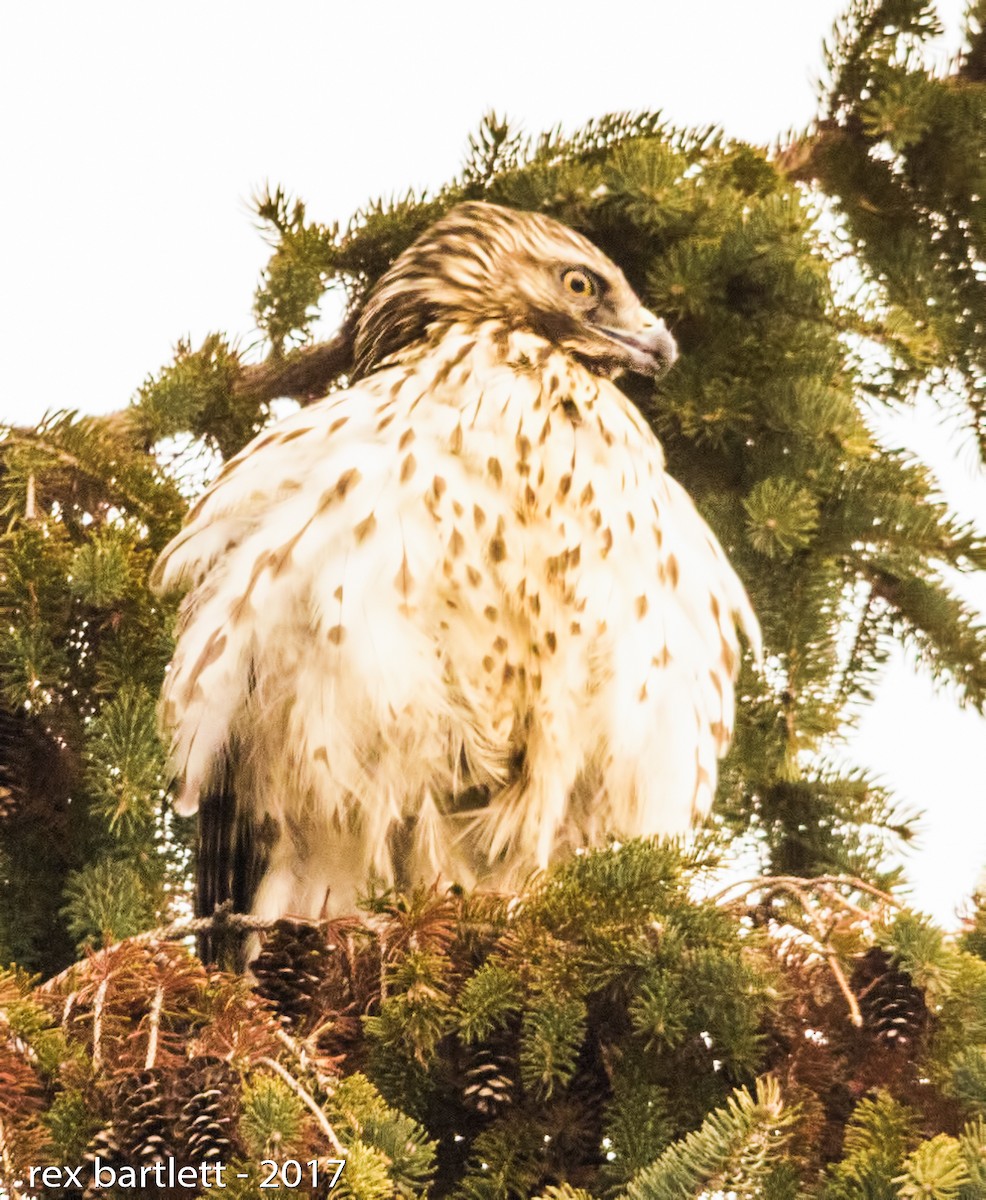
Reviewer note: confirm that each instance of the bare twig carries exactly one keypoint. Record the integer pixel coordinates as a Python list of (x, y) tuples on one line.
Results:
[(67, 1008), (154, 1021), (832, 958), (309, 1101), (764, 882), (306, 1061), (816, 898), (97, 1022)]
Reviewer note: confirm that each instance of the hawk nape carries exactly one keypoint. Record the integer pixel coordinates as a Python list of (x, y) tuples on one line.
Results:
[(456, 620)]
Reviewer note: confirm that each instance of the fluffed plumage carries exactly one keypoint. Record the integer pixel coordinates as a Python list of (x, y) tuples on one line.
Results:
[(457, 619)]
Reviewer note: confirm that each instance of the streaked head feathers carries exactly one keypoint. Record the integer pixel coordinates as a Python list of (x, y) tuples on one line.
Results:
[(484, 262)]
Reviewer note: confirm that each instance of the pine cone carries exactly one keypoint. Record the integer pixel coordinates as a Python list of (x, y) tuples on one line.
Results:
[(205, 1126), (893, 1009), (146, 1118), (291, 969), (104, 1145), (488, 1085)]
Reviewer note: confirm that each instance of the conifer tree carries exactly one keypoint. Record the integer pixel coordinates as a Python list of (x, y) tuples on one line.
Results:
[(617, 1037)]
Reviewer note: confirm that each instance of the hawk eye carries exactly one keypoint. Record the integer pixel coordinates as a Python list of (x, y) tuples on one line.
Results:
[(578, 282)]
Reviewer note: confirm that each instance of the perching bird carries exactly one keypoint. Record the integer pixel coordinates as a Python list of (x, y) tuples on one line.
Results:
[(456, 620)]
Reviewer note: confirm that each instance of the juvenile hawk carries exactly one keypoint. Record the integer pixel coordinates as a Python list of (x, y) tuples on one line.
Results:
[(456, 620)]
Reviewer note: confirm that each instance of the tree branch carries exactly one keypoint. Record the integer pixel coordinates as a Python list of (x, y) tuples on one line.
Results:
[(309, 1101), (304, 375)]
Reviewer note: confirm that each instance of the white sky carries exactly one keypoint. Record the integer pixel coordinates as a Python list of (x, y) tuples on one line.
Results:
[(133, 135)]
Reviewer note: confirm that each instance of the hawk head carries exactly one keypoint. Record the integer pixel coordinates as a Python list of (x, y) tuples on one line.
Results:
[(483, 262)]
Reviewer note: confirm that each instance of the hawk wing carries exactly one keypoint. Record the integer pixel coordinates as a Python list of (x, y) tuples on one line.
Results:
[(232, 857)]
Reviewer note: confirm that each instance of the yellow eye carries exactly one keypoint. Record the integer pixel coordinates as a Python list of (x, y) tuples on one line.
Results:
[(578, 282)]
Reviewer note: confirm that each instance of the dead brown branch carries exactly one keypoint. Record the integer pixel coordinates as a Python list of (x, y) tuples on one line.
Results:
[(819, 900), (176, 931)]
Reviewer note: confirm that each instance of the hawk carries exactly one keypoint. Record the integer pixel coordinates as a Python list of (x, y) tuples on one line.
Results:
[(456, 620)]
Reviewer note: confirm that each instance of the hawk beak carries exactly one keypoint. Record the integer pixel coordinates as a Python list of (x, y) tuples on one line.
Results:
[(649, 348)]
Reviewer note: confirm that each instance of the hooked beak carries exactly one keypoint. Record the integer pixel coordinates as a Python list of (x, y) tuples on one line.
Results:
[(649, 349)]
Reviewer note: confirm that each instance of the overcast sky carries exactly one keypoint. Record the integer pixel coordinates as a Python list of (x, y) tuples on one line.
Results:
[(133, 136)]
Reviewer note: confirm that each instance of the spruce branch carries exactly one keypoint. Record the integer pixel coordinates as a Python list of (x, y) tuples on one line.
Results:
[(736, 1148), (92, 462), (935, 1170), (309, 1102), (878, 1136), (305, 374)]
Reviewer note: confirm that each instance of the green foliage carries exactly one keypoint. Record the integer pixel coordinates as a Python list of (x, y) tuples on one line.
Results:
[(195, 393), (101, 569), (638, 1123), (781, 517), (822, 822), (919, 950), (878, 1137), (901, 150), (968, 1077), (418, 1009), (33, 659), (735, 1150), (125, 760), (936, 1169), (83, 646), (973, 1144), (552, 1032), (107, 900), (489, 998), (973, 938), (29, 1022), (71, 1123), (365, 1176), (295, 278), (656, 1013), (825, 1109), (960, 1028), (385, 1148), (560, 989), (273, 1116)]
